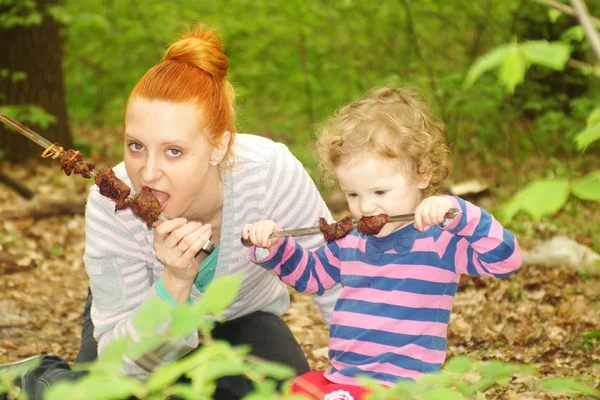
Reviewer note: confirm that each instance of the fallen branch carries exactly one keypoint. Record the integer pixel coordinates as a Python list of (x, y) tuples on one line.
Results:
[(13, 263), (11, 183), (16, 325), (11, 258), (46, 210)]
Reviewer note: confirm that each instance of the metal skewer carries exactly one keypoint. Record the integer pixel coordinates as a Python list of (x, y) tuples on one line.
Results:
[(451, 214), (56, 152)]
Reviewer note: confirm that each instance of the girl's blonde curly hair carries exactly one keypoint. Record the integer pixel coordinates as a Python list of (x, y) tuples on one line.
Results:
[(393, 123)]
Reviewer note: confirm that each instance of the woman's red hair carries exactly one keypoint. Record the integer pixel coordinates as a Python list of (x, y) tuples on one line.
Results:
[(194, 70)]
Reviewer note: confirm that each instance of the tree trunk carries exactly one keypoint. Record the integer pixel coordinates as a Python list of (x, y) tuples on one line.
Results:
[(37, 51)]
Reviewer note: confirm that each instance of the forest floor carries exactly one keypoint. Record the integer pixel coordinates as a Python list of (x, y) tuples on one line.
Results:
[(538, 316)]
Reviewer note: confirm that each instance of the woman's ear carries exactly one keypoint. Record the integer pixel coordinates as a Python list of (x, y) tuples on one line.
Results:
[(220, 149)]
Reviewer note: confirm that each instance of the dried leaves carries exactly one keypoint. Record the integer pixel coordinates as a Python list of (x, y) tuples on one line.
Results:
[(537, 316)]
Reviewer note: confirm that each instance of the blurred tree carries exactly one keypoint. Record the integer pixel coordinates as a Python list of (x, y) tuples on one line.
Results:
[(31, 76)]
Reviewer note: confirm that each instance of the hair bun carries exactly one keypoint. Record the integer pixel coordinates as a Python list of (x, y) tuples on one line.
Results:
[(203, 48)]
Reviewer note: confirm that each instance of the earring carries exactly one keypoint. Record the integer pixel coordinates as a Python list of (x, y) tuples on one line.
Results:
[(213, 163), (422, 186)]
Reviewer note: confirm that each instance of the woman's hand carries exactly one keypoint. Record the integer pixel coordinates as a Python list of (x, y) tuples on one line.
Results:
[(259, 233), (176, 242), (432, 211)]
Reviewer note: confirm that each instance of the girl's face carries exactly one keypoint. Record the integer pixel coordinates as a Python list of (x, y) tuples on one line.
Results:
[(374, 185), (166, 151)]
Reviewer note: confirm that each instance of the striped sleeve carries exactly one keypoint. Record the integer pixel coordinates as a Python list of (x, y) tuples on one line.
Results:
[(117, 264), (304, 270), (293, 201), (475, 243)]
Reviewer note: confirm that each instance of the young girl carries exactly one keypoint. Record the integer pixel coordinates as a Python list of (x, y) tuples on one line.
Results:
[(390, 323)]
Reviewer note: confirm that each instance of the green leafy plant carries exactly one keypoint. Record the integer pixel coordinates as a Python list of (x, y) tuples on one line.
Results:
[(29, 113), (513, 60), (22, 13), (545, 196), (194, 376), (462, 378)]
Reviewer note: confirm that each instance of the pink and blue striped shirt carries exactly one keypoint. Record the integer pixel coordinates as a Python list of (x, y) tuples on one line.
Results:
[(391, 320)]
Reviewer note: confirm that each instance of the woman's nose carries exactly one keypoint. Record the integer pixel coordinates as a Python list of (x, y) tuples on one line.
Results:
[(151, 170)]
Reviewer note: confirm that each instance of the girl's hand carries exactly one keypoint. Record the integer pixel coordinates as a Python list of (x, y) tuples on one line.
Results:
[(432, 211), (176, 242), (259, 233)]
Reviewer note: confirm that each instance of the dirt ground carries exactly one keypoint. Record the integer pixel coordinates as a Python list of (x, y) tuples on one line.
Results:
[(537, 316)]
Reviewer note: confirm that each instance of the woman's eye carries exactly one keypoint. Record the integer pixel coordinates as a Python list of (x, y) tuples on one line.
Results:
[(135, 147), (350, 194), (380, 192), (174, 152)]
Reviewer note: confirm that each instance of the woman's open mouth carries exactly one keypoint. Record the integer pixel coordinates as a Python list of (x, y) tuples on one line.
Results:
[(161, 197)]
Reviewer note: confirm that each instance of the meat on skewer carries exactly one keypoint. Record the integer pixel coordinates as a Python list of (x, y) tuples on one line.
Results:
[(145, 206), (372, 225), (366, 225), (72, 161), (112, 187), (336, 230)]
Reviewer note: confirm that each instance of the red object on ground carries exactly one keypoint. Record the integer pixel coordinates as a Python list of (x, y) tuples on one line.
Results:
[(315, 385)]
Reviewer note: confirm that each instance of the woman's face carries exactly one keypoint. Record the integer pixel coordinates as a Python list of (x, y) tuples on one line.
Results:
[(166, 151), (373, 186)]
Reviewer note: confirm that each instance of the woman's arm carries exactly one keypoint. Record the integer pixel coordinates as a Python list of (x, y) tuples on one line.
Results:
[(118, 260)]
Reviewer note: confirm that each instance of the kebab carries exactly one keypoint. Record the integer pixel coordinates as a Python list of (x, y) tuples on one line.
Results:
[(143, 204), (369, 225)]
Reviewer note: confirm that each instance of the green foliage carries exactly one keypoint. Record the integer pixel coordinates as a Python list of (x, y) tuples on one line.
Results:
[(29, 113), (219, 294), (539, 198), (569, 386), (591, 340), (194, 376), (19, 13), (576, 33), (13, 76), (592, 131), (588, 187), (513, 61), (213, 360), (464, 378), (8, 376)]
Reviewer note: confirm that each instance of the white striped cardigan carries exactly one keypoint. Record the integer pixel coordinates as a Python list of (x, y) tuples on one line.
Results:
[(265, 182)]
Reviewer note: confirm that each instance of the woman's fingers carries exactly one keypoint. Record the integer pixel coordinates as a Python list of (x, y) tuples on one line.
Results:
[(162, 230), (197, 245), (191, 233)]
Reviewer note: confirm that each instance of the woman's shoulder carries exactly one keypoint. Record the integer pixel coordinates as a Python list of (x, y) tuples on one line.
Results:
[(249, 148)]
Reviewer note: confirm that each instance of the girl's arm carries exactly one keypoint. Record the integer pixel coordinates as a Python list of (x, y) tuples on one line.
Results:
[(293, 201), (304, 270), (475, 243)]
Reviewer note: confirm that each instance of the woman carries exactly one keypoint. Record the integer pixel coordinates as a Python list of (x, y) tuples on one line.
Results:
[(181, 143)]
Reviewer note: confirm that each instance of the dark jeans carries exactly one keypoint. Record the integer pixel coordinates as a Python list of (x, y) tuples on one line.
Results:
[(269, 337)]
